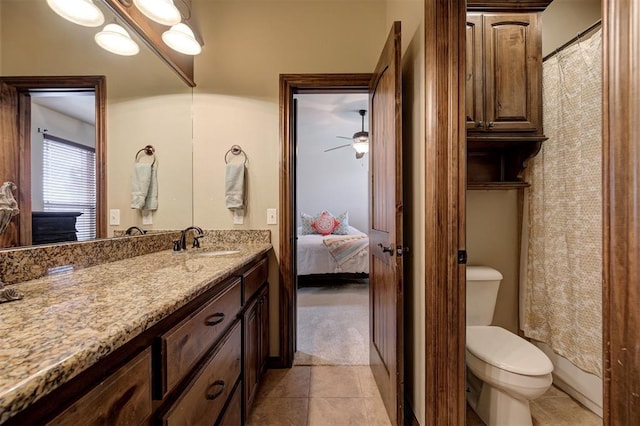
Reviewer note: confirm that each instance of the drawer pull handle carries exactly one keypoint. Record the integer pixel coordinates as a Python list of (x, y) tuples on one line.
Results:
[(214, 319), (219, 388)]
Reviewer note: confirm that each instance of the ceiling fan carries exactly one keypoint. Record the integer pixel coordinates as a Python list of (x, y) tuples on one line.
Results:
[(360, 140)]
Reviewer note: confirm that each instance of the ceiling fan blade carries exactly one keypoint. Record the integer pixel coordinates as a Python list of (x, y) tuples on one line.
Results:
[(343, 137), (337, 147)]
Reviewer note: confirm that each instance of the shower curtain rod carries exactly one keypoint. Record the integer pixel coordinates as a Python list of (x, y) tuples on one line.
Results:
[(573, 40)]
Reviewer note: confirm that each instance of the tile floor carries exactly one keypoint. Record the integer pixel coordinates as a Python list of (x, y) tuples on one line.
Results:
[(318, 396), (554, 408)]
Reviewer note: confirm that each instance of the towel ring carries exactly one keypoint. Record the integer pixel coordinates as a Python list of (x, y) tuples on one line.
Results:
[(235, 150), (149, 150)]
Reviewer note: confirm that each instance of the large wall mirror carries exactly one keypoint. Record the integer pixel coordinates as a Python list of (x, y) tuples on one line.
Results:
[(146, 103)]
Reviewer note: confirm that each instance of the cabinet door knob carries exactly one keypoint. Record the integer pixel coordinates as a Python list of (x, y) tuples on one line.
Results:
[(214, 319), (480, 123), (215, 389), (491, 124)]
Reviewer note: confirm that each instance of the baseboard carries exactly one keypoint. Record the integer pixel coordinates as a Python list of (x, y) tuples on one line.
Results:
[(274, 362)]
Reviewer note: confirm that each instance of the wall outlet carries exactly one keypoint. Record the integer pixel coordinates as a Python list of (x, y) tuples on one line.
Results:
[(114, 217), (272, 217), (238, 217), (147, 217)]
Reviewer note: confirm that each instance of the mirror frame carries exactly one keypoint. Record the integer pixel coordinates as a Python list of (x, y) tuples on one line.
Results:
[(22, 112)]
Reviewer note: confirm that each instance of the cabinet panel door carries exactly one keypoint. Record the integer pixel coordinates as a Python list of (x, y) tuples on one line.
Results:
[(264, 329), (251, 352), (512, 72), (474, 87), (205, 397), (186, 343), (123, 398)]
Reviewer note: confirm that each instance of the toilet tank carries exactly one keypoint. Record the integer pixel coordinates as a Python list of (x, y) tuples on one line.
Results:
[(483, 283)]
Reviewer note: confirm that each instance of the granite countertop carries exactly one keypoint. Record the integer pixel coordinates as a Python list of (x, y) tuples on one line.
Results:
[(69, 320)]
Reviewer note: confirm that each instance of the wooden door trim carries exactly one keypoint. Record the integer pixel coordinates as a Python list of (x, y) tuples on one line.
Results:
[(289, 85), (445, 28), (98, 84), (621, 212)]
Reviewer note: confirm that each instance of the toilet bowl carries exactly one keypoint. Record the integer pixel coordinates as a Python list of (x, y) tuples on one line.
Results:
[(504, 371)]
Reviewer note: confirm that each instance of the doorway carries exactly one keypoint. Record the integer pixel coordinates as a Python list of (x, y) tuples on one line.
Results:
[(16, 141), (331, 244)]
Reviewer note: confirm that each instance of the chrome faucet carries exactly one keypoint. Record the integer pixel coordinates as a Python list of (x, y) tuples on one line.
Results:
[(130, 230), (196, 237)]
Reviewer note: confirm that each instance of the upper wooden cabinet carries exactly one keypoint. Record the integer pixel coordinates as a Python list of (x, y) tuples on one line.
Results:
[(503, 82), (503, 92)]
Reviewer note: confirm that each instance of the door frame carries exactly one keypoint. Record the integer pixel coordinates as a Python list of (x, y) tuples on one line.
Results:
[(291, 84), (23, 85)]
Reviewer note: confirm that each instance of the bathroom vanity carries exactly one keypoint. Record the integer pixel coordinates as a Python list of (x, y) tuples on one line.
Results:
[(166, 337)]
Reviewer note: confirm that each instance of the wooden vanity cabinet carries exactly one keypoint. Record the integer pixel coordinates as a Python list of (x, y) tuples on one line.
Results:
[(256, 331), (122, 398), (188, 369), (206, 395), (185, 344)]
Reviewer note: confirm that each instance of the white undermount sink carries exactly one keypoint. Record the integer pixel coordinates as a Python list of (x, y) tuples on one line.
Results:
[(217, 253)]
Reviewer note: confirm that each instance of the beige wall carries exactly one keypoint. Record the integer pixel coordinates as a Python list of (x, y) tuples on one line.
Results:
[(492, 240), (248, 45), (564, 19)]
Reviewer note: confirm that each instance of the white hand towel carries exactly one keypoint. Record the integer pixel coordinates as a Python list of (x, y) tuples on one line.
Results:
[(140, 184), (234, 186), (151, 200)]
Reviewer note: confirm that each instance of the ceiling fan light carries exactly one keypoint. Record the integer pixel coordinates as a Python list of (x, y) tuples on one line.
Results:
[(181, 39), (161, 11), (361, 147), (81, 12), (361, 142), (116, 39)]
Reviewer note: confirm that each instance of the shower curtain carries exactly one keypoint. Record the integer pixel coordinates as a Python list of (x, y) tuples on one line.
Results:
[(561, 274)]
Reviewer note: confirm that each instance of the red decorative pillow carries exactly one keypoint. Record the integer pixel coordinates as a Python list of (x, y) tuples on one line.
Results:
[(325, 224)]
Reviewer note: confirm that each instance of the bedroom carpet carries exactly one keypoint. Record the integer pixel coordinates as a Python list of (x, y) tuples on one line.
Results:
[(333, 325)]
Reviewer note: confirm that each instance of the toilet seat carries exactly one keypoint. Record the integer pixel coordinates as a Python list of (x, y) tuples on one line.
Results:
[(507, 351)]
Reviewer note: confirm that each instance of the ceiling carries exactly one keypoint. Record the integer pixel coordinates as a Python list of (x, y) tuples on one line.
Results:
[(80, 106)]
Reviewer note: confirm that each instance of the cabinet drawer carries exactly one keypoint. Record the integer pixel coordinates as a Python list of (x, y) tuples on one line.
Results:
[(124, 398), (254, 278), (204, 398), (185, 344), (233, 414)]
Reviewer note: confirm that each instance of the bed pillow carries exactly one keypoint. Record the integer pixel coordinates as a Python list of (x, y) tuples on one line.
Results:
[(305, 224), (343, 227), (324, 224)]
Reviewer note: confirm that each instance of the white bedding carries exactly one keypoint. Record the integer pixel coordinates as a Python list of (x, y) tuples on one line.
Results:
[(314, 258)]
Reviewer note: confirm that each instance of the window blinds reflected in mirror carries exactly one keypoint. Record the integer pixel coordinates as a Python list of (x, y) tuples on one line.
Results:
[(69, 182)]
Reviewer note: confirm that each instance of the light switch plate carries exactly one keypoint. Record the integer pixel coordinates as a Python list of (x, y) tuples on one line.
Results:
[(272, 217), (147, 217), (238, 217), (114, 217)]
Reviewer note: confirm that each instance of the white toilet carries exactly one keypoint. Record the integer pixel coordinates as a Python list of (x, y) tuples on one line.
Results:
[(504, 371)]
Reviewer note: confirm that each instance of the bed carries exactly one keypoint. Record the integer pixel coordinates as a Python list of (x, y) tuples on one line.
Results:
[(333, 254)]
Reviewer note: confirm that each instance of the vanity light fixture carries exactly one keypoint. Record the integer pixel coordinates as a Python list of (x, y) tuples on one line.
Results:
[(181, 39), (162, 11), (117, 40), (81, 12)]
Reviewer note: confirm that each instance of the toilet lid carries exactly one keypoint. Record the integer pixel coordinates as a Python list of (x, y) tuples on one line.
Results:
[(505, 350)]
